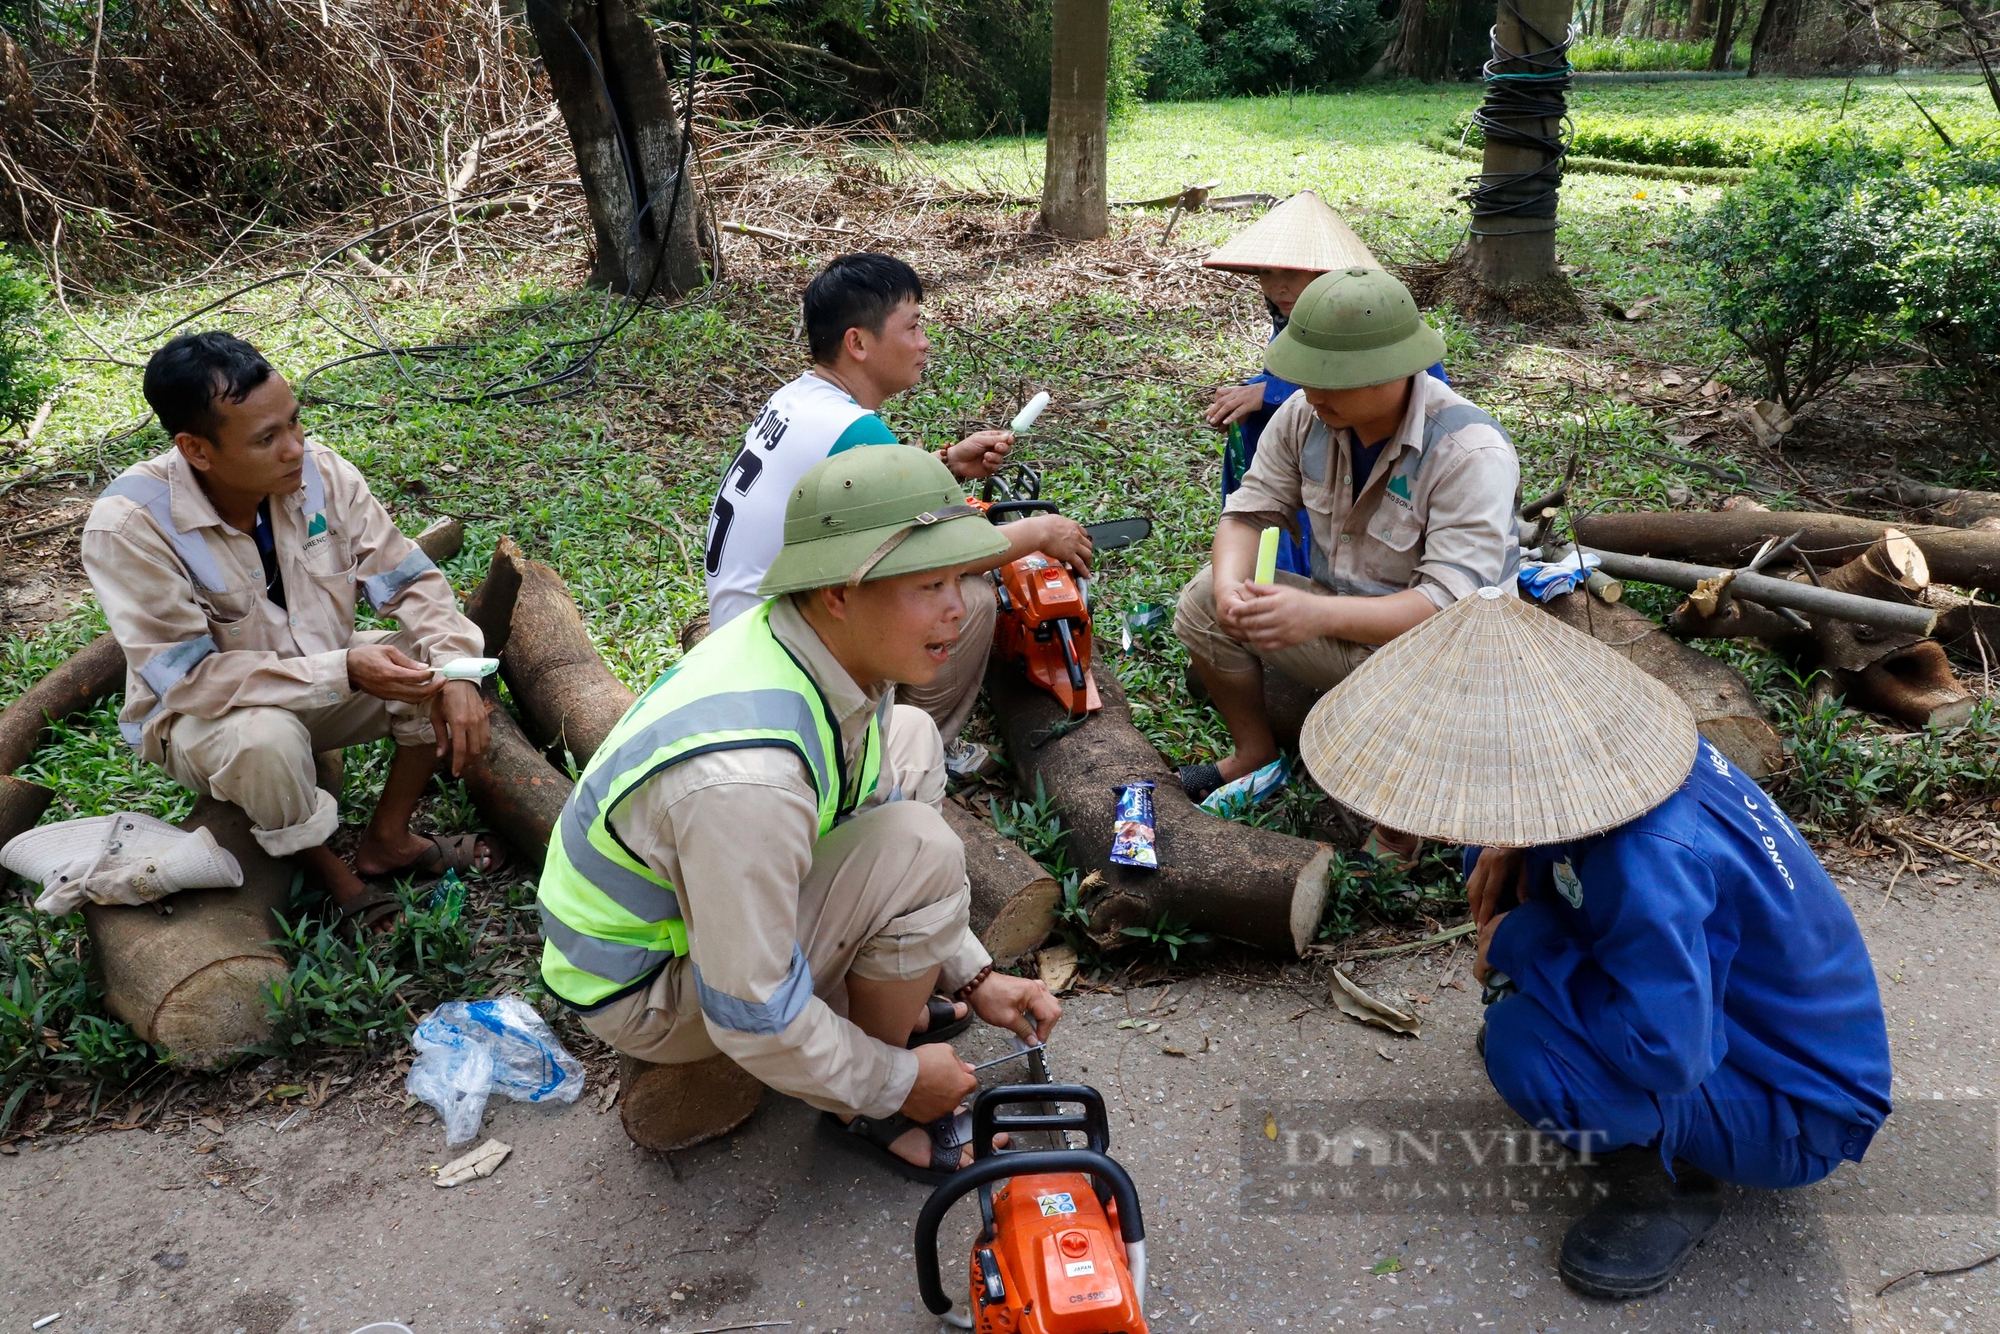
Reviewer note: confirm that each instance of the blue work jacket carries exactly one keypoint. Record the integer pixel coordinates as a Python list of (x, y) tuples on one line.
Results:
[(1702, 932)]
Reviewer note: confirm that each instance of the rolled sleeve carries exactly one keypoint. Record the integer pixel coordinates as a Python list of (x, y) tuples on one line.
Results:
[(1469, 525)]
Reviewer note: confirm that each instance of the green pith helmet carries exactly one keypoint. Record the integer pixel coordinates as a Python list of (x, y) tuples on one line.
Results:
[(874, 513), (1350, 329)]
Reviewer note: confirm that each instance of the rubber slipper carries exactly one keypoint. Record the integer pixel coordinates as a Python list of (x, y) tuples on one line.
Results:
[(1198, 780), (366, 913), (447, 852), (946, 1023), (872, 1136)]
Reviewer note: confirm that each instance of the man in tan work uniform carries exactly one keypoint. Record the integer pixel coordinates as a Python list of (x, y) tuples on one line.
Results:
[(752, 873), (1410, 492), (228, 568)]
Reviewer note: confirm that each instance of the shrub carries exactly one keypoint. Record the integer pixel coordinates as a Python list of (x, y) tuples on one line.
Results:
[(1607, 54), (26, 376), (1792, 271), (1233, 47)]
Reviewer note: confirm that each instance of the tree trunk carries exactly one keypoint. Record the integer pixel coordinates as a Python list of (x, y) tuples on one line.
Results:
[(196, 978), (619, 105), (92, 672), (1777, 30), (1511, 254), (1965, 557), (1945, 505), (518, 792), (1701, 13), (1724, 709), (1422, 46), (1013, 898), (568, 698), (1262, 888), (21, 806), (1073, 189), (1720, 54)]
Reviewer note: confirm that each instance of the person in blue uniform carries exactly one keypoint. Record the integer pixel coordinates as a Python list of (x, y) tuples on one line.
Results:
[(1678, 991), (1284, 251)]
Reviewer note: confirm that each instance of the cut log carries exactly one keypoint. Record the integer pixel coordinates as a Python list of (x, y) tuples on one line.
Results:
[(1013, 898), (1253, 885), (1969, 558), (1946, 505), (92, 672), (491, 605), (21, 805), (674, 1107), (1904, 676), (197, 982), (1968, 628), (1724, 709), (568, 698), (517, 791), (442, 540)]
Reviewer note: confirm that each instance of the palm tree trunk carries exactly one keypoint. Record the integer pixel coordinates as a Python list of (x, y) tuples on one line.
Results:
[(1073, 190)]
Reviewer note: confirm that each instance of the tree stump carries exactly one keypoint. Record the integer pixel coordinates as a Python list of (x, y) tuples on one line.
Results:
[(1724, 709), (1252, 885), (1905, 677), (197, 981), (1013, 898), (673, 1107)]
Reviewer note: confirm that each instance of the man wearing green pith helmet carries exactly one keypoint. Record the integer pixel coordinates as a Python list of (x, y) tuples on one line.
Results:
[(752, 874), (1410, 490)]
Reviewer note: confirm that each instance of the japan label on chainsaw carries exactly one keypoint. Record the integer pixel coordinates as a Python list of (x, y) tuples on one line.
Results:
[(1062, 1246), (1043, 620)]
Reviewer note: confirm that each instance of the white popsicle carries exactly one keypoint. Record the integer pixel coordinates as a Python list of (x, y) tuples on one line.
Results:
[(1024, 420)]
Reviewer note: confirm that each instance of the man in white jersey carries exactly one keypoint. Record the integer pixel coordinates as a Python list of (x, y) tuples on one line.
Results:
[(864, 325)]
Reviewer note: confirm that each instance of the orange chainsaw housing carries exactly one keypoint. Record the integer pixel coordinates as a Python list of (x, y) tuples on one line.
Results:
[(1059, 1262), (1043, 623)]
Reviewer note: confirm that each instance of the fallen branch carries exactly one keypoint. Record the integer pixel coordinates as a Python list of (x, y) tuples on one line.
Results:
[(1946, 505), (1965, 557), (1889, 616), (518, 792), (92, 672), (1938, 1273)]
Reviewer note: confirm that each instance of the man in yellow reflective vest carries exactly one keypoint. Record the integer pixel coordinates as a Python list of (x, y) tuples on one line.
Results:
[(754, 864)]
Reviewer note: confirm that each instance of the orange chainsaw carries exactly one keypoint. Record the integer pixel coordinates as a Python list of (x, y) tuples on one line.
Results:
[(1062, 1246), (1044, 609)]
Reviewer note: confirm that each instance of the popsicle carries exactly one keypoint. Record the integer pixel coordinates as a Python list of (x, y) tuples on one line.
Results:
[(1267, 556), (468, 669), (1024, 420)]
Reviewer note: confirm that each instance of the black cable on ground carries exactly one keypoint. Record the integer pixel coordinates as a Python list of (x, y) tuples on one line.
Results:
[(1524, 90)]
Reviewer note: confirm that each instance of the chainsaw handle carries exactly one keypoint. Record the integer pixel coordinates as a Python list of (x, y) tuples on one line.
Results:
[(1030, 1162), (1000, 508)]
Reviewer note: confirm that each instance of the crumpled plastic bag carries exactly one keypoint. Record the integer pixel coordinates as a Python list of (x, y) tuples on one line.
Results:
[(470, 1050)]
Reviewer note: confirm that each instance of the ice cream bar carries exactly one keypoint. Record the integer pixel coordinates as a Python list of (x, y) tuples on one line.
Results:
[(468, 669), (1267, 556), (1025, 419)]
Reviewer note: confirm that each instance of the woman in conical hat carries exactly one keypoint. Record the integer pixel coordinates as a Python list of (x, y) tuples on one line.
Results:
[(1284, 251), (1677, 991)]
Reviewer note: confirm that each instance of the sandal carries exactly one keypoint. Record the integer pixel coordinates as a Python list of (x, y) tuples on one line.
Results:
[(946, 1023), (447, 852), (375, 908), (872, 1136), (1198, 780)]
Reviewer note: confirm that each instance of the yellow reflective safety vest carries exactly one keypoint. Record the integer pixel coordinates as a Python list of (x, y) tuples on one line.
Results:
[(609, 922)]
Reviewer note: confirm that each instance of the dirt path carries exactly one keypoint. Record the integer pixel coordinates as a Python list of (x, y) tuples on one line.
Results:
[(331, 1222)]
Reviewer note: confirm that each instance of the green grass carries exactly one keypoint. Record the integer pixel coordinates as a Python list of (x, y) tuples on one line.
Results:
[(1598, 55), (612, 486)]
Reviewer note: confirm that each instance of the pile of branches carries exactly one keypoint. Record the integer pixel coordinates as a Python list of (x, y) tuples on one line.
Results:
[(184, 122)]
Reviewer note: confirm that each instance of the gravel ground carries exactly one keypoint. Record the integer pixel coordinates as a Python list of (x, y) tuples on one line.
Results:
[(331, 1221)]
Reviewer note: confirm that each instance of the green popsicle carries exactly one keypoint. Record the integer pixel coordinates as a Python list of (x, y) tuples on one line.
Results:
[(1267, 556)]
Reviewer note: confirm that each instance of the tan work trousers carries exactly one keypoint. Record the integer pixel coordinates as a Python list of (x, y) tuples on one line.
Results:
[(260, 760), (1319, 663), (949, 697), (885, 899)]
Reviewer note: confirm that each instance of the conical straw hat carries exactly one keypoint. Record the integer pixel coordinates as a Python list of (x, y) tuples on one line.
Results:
[(1496, 725), (1301, 233)]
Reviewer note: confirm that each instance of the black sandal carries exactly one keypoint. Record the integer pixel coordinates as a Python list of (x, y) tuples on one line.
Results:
[(1198, 780), (946, 1023), (872, 1136)]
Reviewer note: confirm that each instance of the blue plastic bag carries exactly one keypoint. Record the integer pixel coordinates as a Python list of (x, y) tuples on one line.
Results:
[(467, 1051)]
